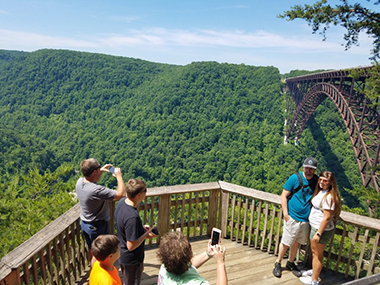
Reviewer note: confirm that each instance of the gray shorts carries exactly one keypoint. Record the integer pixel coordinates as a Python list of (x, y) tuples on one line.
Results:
[(295, 231)]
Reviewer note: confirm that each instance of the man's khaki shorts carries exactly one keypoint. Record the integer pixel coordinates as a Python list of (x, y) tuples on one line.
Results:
[(295, 231)]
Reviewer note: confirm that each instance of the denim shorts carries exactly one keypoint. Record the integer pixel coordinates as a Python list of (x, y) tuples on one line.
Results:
[(91, 230)]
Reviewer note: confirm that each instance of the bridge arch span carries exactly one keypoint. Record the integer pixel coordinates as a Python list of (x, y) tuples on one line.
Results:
[(359, 116)]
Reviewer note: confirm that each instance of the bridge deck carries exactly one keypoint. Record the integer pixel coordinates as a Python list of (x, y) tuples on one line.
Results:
[(245, 265)]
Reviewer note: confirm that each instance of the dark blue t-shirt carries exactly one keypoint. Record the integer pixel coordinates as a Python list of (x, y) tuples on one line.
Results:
[(298, 207)]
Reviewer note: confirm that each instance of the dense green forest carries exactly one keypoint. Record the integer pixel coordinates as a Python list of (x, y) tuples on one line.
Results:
[(166, 124)]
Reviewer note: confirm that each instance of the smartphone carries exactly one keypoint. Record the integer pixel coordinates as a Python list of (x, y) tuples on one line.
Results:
[(215, 236), (155, 231), (112, 170)]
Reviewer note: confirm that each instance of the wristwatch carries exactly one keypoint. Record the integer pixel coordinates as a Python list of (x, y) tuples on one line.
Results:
[(318, 234)]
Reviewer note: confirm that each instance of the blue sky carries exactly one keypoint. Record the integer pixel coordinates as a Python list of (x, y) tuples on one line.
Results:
[(179, 32)]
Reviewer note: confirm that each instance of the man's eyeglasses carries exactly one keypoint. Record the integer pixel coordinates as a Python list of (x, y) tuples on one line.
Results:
[(324, 181)]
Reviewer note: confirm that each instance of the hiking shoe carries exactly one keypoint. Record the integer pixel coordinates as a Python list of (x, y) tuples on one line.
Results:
[(308, 280), (277, 269), (293, 267)]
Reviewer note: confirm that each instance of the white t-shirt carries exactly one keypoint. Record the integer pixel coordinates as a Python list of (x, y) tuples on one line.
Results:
[(316, 214)]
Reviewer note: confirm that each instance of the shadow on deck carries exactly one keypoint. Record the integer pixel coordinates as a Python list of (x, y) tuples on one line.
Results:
[(245, 265)]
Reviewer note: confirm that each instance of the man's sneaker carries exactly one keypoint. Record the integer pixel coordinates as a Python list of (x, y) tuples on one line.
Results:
[(277, 269), (308, 280), (293, 267), (307, 273)]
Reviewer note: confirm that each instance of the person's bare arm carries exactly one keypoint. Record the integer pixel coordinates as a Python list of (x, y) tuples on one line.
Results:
[(133, 244), (221, 273), (121, 189), (284, 203)]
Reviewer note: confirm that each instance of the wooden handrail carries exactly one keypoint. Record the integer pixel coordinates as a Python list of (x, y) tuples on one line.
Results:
[(57, 253)]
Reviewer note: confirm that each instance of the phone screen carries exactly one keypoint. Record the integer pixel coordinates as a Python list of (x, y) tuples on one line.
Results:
[(112, 170), (215, 238)]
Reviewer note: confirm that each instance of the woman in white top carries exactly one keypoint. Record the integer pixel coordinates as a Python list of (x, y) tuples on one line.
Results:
[(326, 206)]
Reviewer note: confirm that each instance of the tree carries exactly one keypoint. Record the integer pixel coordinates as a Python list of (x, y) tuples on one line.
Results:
[(355, 18)]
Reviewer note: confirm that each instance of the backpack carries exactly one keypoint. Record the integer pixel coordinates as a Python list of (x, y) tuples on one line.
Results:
[(301, 186)]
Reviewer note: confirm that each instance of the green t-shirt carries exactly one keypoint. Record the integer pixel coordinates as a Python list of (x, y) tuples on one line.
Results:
[(190, 277)]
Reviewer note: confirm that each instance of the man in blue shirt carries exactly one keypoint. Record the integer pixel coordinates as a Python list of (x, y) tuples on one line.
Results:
[(296, 212)]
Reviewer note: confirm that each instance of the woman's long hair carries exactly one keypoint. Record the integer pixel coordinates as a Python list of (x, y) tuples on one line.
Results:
[(333, 191)]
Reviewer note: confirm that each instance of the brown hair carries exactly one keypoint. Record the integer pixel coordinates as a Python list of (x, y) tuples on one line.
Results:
[(333, 191), (88, 166), (175, 252), (104, 245), (134, 187)]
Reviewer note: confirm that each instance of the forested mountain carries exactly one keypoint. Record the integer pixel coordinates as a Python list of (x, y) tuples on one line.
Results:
[(166, 124)]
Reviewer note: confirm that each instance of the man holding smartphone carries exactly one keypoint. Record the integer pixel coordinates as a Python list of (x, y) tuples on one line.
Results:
[(94, 199)]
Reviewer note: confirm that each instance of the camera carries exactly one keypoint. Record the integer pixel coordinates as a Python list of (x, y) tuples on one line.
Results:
[(112, 169)]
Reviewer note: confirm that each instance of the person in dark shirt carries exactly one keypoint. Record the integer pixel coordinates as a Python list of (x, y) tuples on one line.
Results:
[(131, 232)]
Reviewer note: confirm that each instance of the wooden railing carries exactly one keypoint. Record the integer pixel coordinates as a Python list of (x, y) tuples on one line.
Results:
[(57, 254)]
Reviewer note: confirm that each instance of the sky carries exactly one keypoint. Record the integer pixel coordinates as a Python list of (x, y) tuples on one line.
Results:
[(179, 32)]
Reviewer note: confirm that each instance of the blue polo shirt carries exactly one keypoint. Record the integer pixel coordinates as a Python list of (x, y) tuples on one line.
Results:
[(298, 207)]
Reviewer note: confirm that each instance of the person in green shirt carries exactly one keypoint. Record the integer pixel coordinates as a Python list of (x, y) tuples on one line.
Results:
[(179, 266)]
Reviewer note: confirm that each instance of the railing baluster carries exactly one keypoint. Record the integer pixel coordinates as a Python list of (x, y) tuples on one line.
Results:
[(353, 241), (233, 217), (175, 213), (238, 219), (34, 269), (257, 231), (360, 261), (264, 232), (189, 215), (196, 214), (341, 247), (271, 228), (246, 202), (252, 217), (278, 232), (202, 212), (373, 255)]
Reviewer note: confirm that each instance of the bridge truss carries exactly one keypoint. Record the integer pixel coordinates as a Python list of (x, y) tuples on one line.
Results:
[(360, 115)]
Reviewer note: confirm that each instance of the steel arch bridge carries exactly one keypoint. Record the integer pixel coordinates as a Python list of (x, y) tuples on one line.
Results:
[(360, 115)]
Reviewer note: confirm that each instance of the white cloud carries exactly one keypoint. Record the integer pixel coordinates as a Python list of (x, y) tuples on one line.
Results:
[(14, 39)]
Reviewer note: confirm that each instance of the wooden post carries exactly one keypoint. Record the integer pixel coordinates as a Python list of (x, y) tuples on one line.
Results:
[(164, 214), (212, 210), (223, 211)]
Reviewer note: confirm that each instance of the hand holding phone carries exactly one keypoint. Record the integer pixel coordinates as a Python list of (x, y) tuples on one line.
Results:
[(112, 169), (155, 231), (215, 236)]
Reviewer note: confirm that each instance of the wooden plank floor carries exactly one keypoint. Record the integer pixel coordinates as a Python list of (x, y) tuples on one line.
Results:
[(245, 265)]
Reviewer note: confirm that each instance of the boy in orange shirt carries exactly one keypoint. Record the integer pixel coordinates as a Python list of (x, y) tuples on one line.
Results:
[(106, 250)]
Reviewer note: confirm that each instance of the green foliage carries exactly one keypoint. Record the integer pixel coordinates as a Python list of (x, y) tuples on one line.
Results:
[(30, 202), (354, 18)]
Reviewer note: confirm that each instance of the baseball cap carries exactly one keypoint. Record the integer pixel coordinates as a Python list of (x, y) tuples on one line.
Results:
[(310, 162)]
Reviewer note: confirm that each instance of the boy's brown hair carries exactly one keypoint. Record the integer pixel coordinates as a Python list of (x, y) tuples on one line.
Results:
[(104, 245)]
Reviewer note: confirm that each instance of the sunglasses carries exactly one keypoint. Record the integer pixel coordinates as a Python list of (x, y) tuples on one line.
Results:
[(324, 181)]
